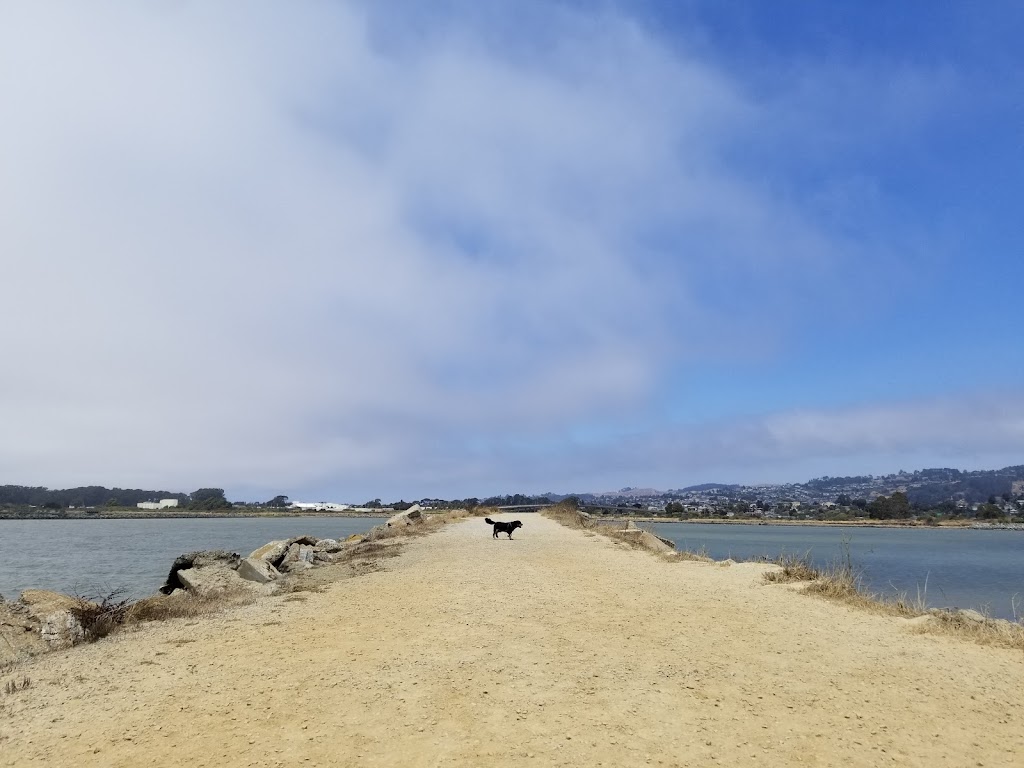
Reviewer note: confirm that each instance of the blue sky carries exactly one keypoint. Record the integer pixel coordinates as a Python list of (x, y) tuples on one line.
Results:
[(351, 249)]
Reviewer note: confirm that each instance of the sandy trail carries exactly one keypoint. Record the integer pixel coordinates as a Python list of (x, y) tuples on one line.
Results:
[(557, 648)]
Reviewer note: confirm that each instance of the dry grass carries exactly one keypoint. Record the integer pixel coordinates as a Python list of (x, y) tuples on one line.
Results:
[(17, 684), (841, 582), (571, 517), (427, 523), (793, 568), (185, 605), (701, 555), (1003, 634)]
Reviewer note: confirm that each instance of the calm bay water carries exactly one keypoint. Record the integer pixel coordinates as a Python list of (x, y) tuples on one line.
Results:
[(960, 567), (964, 568), (95, 556)]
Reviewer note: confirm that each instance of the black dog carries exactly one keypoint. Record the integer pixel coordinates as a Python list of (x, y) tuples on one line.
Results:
[(503, 527)]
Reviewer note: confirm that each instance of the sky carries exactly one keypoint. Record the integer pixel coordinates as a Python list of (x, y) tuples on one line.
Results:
[(347, 250)]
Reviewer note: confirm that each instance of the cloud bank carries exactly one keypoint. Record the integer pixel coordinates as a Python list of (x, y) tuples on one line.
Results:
[(304, 249)]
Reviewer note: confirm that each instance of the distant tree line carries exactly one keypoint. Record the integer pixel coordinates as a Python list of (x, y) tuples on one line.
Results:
[(98, 496), (85, 496)]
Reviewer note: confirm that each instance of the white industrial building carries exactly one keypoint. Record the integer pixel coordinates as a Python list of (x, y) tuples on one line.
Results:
[(162, 504), (319, 506)]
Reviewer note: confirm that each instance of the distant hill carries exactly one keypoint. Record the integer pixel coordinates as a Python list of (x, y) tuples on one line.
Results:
[(924, 487), (628, 492), (708, 487)]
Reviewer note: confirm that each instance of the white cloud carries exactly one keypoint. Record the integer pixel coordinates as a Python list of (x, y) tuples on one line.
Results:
[(262, 249)]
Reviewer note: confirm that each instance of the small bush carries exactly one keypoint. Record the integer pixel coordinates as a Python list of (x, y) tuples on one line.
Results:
[(100, 615)]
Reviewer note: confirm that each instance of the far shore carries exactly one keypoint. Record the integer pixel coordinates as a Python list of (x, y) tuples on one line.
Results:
[(172, 513), (948, 524), (152, 514)]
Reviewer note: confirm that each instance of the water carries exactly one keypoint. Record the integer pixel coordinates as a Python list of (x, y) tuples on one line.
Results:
[(966, 568), (90, 557)]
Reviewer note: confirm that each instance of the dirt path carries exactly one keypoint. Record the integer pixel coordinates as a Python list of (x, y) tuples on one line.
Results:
[(557, 648)]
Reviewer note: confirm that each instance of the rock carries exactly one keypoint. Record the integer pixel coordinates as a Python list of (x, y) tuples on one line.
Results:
[(966, 614), (646, 540), (962, 615), (297, 558), (919, 621), (329, 550), (215, 560), (272, 552), (355, 538), (58, 625), (40, 603), (727, 563), (208, 580), (61, 630), (410, 516), (655, 544), (328, 545), (19, 634), (255, 569), (666, 542)]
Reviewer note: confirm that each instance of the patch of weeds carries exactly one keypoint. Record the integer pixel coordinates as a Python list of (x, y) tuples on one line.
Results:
[(700, 555), (185, 605), (988, 631), (17, 684), (99, 615), (793, 568), (295, 599)]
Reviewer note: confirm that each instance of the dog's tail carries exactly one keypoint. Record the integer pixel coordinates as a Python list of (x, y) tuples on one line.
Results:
[(488, 521)]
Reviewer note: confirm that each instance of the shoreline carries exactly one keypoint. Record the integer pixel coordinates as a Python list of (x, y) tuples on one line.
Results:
[(191, 515), (384, 514), (590, 650), (947, 525)]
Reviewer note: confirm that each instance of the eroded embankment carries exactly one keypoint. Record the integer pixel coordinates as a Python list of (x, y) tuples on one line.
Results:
[(558, 647)]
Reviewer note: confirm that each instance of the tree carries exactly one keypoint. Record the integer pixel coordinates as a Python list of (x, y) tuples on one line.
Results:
[(277, 501), (896, 506), (209, 498), (989, 512)]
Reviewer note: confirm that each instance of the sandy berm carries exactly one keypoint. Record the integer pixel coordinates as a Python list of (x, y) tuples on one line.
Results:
[(558, 648)]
